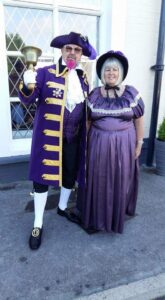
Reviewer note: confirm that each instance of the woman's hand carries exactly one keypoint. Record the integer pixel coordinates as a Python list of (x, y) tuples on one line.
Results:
[(139, 126), (138, 149)]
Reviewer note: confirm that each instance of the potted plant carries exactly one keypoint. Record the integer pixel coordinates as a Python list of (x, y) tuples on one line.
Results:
[(160, 150)]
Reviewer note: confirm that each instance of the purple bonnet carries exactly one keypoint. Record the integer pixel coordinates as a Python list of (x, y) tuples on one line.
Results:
[(76, 39), (117, 54)]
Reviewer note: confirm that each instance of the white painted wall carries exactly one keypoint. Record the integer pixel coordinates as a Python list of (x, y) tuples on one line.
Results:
[(5, 128), (141, 47), (134, 30)]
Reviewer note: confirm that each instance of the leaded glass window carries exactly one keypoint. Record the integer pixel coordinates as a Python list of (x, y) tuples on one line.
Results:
[(34, 26), (25, 26)]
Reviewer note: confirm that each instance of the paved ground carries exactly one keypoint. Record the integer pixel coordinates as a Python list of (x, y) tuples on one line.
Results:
[(73, 265)]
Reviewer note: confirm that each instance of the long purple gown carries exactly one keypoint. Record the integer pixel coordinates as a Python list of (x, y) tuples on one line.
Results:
[(112, 171)]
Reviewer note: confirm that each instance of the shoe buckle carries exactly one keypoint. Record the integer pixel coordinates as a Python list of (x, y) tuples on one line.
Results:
[(35, 232)]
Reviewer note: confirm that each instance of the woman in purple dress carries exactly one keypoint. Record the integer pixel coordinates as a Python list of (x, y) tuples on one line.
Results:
[(115, 140)]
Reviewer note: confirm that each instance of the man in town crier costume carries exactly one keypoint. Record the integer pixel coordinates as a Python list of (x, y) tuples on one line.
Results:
[(57, 159)]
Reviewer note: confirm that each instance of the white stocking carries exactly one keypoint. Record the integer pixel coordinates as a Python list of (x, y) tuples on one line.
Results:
[(39, 207), (64, 197)]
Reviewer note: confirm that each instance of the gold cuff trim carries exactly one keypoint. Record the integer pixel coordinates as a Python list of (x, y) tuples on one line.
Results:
[(50, 177), (51, 132), (53, 163), (52, 117), (52, 84), (54, 101), (51, 148), (21, 87)]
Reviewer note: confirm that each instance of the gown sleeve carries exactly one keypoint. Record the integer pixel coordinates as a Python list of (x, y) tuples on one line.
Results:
[(137, 104)]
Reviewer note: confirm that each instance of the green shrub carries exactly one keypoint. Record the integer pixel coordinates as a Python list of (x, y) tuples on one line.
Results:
[(161, 131)]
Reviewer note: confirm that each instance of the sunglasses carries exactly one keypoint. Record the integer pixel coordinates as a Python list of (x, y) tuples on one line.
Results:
[(70, 49)]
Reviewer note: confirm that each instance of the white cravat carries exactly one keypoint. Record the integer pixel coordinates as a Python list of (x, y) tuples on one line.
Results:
[(74, 92)]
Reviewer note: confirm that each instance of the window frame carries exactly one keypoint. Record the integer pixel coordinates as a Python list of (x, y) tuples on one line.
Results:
[(22, 146)]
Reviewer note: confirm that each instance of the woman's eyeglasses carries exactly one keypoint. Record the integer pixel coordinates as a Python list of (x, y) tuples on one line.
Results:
[(70, 49)]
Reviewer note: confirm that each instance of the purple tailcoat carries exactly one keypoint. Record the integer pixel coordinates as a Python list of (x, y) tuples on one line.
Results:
[(49, 121)]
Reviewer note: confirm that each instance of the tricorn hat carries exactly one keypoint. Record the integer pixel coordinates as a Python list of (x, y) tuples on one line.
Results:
[(117, 54), (76, 39)]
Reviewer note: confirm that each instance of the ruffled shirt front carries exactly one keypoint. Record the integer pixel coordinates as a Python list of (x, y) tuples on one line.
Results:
[(74, 92)]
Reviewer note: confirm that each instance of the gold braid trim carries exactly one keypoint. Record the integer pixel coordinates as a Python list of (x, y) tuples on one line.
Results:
[(49, 162)]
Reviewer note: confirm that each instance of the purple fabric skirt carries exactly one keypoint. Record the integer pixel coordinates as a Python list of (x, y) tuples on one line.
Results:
[(112, 177)]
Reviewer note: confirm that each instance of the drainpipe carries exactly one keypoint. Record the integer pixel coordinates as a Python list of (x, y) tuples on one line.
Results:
[(158, 68)]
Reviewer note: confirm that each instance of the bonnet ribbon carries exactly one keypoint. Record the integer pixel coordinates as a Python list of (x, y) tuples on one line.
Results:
[(115, 88)]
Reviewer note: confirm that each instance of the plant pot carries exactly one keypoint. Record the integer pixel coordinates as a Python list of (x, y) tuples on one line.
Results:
[(160, 157)]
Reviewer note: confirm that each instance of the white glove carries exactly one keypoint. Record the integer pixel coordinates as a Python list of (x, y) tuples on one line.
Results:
[(29, 77)]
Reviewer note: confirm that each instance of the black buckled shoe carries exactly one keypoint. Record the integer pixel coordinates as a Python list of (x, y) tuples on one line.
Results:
[(35, 238), (69, 215)]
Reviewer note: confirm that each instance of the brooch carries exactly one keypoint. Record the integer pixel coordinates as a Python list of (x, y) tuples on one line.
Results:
[(57, 93)]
